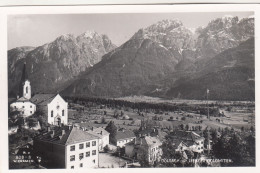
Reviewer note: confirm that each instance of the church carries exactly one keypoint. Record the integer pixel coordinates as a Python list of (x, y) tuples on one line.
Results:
[(52, 105), (23, 103)]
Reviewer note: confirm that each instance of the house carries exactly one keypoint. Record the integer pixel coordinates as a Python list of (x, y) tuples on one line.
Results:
[(146, 148), (100, 132), (124, 137), (193, 141), (23, 103), (154, 132), (67, 147), (53, 106)]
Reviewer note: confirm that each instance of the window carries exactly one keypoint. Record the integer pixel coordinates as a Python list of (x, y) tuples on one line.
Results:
[(201, 142), (23, 106), (23, 112), (15, 107), (72, 167), (94, 161), (81, 165), (62, 112), (72, 158), (31, 106), (26, 89), (199, 148), (51, 113), (81, 146), (94, 143), (81, 156), (94, 152), (30, 111), (87, 144), (72, 148), (88, 154)]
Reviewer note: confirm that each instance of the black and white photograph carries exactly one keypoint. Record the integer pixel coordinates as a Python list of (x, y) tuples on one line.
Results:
[(120, 89)]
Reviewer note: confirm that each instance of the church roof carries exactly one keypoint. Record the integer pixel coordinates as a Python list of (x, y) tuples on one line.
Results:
[(72, 135), (42, 99), (22, 99)]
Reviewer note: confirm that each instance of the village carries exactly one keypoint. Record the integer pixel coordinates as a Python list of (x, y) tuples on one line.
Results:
[(54, 131)]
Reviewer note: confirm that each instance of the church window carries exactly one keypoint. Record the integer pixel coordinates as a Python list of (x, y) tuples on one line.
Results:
[(62, 112), (23, 106), (30, 111), (94, 161), (51, 113), (72, 167), (26, 90), (81, 165), (31, 106)]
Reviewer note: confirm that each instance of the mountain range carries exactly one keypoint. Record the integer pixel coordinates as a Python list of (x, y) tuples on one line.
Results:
[(165, 59), (52, 65)]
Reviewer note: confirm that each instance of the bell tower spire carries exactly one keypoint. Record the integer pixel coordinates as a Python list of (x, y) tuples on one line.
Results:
[(25, 87)]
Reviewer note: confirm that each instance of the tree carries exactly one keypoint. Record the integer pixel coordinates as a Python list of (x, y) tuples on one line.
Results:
[(32, 122), (112, 129)]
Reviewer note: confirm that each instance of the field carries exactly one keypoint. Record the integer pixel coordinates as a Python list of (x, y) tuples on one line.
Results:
[(130, 119)]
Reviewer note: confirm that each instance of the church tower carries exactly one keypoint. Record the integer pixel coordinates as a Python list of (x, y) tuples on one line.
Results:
[(25, 86)]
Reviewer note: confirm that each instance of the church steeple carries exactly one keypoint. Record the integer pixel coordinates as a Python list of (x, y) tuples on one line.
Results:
[(24, 86), (24, 74)]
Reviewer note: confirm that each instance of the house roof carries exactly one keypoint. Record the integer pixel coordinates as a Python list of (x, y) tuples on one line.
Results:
[(186, 135), (100, 132), (152, 141), (42, 99), (124, 134), (72, 135), (146, 140)]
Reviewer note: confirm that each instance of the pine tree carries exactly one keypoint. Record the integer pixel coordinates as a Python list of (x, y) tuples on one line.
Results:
[(112, 129)]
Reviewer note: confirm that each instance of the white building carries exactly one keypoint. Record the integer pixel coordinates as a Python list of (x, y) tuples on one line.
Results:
[(67, 147), (24, 106), (53, 106), (100, 132), (188, 140), (144, 148), (124, 137)]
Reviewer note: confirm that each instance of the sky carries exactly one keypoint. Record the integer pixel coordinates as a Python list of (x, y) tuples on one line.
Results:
[(38, 29)]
